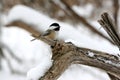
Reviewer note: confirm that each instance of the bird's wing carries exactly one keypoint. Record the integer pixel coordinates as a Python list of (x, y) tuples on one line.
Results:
[(47, 33)]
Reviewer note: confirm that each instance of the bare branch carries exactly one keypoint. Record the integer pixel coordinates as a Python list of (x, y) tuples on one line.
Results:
[(107, 23), (35, 32), (2, 55), (113, 77), (116, 11), (24, 26), (10, 52)]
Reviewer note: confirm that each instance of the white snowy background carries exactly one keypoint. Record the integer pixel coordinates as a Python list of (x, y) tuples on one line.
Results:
[(37, 55)]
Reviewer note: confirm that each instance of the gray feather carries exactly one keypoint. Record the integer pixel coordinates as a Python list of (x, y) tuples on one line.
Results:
[(47, 33)]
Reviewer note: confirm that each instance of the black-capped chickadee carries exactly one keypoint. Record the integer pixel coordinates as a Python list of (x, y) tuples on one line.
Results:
[(51, 32)]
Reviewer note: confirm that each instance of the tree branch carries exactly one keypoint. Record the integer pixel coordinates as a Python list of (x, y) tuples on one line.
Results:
[(113, 77), (66, 54), (116, 11), (107, 23), (35, 32), (10, 52), (24, 26)]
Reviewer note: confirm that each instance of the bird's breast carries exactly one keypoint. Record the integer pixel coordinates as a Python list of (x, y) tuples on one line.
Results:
[(51, 35)]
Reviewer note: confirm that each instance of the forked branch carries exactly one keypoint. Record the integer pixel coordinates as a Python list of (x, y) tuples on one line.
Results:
[(65, 54)]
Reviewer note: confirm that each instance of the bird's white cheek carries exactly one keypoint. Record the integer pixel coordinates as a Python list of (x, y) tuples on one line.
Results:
[(56, 36), (52, 27)]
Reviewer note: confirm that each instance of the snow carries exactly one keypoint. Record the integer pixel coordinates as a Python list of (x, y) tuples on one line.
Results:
[(110, 62), (84, 10), (82, 72), (37, 55), (91, 54), (8, 76), (38, 71)]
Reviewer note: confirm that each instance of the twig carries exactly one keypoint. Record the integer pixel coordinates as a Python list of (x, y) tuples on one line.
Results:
[(107, 23), (48, 41), (62, 9), (10, 52), (35, 32), (116, 11), (113, 77), (1, 56), (25, 26)]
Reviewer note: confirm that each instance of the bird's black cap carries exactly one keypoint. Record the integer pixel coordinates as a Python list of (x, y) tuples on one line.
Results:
[(57, 26), (54, 24)]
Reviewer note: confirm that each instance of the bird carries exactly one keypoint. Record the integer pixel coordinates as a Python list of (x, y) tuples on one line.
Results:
[(51, 32)]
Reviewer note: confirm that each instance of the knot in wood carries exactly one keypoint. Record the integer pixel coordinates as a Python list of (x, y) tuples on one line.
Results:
[(60, 48)]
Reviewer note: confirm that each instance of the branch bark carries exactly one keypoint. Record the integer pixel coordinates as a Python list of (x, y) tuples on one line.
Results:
[(24, 26), (66, 54), (113, 77)]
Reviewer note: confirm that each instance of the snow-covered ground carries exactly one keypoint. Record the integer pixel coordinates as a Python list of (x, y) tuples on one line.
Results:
[(8, 76), (37, 55)]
